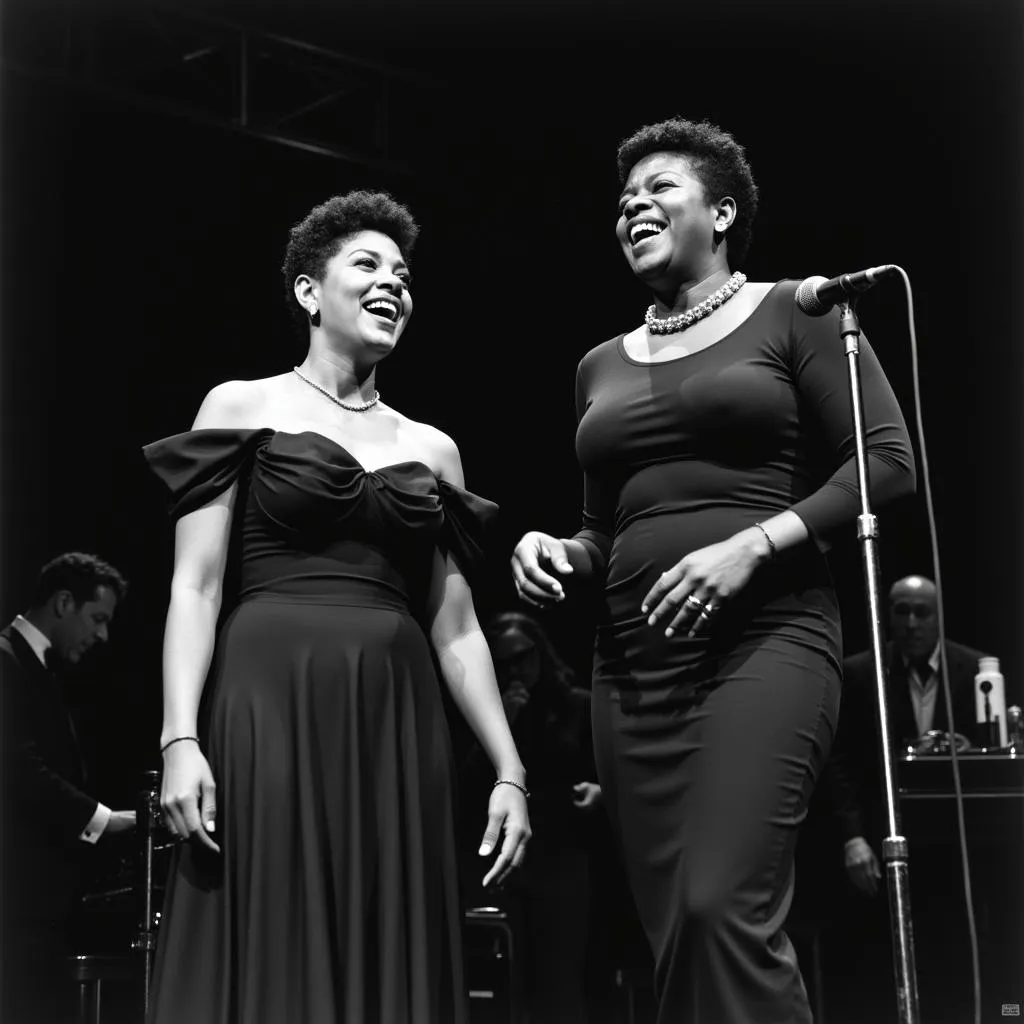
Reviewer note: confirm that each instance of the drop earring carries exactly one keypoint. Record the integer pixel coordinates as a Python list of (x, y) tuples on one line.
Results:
[(314, 315)]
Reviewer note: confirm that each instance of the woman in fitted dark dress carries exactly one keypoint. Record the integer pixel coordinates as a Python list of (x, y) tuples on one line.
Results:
[(718, 456), (318, 879)]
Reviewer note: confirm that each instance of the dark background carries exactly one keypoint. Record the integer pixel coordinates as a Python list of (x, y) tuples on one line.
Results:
[(141, 252)]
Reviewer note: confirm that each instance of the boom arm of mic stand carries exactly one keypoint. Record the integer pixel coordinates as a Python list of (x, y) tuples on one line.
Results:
[(895, 852)]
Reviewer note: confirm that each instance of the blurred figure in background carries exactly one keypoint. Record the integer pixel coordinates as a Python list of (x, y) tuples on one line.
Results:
[(852, 779), (852, 793), (49, 819), (550, 720)]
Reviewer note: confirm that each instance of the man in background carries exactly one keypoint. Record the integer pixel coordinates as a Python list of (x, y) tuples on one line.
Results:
[(916, 704), (49, 818), (851, 793)]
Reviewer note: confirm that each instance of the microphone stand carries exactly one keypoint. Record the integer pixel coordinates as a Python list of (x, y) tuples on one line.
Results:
[(146, 820), (895, 851)]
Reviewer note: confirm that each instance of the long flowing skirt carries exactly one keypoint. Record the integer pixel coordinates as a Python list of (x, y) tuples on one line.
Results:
[(335, 894)]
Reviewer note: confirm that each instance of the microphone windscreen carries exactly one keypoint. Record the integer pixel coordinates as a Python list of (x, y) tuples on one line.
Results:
[(807, 298)]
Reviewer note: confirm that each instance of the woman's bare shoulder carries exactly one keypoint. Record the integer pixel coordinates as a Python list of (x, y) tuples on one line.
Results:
[(440, 451), (237, 403)]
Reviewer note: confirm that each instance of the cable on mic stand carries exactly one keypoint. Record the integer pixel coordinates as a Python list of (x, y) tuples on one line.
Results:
[(947, 691)]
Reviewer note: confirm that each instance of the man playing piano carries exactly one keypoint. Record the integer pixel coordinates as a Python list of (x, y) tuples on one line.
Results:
[(48, 817)]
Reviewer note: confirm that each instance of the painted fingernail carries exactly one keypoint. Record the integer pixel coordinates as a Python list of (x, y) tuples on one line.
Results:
[(651, 621), (669, 631), (485, 849), (643, 608)]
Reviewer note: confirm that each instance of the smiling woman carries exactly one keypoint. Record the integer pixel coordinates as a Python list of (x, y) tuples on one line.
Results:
[(323, 764), (717, 448), (355, 296)]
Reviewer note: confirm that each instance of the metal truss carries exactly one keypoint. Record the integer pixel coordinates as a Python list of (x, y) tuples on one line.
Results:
[(166, 60)]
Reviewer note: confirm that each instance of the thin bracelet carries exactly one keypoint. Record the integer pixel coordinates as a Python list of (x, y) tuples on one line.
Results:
[(509, 782), (170, 743), (768, 537)]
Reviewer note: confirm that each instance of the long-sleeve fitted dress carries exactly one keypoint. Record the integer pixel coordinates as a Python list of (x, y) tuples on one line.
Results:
[(335, 895), (708, 748)]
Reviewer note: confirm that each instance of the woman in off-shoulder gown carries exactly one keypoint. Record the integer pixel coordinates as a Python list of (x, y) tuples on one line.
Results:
[(331, 537)]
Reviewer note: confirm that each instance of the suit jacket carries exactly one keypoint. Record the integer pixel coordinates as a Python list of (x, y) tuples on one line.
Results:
[(851, 784), (44, 806)]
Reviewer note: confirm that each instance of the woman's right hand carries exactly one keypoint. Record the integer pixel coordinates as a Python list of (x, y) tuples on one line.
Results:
[(188, 793), (536, 559)]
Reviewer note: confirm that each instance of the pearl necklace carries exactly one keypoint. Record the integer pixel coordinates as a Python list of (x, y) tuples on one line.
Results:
[(334, 398), (679, 322)]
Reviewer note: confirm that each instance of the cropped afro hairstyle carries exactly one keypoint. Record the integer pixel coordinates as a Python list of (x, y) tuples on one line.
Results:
[(718, 161), (79, 574), (316, 239)]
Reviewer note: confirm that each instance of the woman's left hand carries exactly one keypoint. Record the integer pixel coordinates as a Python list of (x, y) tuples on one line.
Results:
[(694, 589), (506, 812)]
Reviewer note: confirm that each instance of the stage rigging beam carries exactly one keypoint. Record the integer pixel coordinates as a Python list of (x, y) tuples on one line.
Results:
[(225, 75)]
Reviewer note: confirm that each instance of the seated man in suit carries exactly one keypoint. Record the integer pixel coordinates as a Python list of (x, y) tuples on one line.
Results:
[(916, 706), (48, 818), (851, 791)]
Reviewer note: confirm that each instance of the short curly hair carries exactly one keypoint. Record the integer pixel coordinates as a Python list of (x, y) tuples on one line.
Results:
[(718, 161), (80, 574), (316, 239)]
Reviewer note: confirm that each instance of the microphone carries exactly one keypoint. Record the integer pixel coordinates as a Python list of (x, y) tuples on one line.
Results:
[(817, 295)]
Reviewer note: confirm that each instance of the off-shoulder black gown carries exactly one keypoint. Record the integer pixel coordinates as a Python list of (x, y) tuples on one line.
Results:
[(708, 748), (335, 895)]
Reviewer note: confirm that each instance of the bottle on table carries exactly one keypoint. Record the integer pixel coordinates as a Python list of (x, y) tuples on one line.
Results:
[(990, 704)]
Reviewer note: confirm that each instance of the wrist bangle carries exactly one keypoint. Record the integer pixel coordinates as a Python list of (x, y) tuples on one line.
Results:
[(509, 782), (768, 537), (178, 739)]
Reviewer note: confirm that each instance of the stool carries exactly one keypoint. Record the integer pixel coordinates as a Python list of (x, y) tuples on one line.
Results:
[(90, 971), (496, 924)]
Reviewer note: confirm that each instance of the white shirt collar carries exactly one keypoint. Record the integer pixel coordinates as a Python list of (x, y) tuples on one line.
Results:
[(34, 637)]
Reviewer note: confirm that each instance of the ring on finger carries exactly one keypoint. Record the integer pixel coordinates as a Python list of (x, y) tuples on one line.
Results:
[(695, 602), (702, 620), (707, 611)]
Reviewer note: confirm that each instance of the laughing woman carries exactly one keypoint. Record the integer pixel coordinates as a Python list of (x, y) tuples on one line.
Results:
[(316, 881), (718, 456)]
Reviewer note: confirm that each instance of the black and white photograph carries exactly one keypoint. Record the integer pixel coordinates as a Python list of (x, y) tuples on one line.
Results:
[(510, 512)]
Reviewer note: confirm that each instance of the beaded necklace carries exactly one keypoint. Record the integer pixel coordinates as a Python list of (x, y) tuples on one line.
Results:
[(679, 322)]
